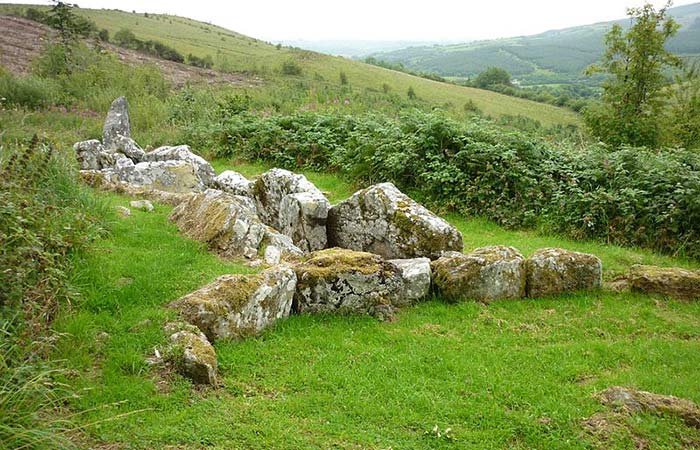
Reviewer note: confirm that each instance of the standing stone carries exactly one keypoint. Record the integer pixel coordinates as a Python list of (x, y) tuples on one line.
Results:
[(552, 271), (416, 275), (382, 220), (116, 123), (486, 274), (674, 282), (191, 353), (204, 171), (302, 217), (233, 183), (345, 281), (236, 306)]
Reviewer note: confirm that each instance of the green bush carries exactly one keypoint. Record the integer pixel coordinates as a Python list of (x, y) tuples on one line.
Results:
[(291, 67), (29, 91), (629, 196), (45, 218)]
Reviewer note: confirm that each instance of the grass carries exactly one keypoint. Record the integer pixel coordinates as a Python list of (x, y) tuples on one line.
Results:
[(370, 87), (515, 374)]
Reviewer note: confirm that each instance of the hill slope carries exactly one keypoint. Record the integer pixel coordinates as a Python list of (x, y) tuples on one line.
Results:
[(553, 56), (233, 52)]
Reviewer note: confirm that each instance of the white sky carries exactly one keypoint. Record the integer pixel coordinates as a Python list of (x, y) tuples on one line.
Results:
[(384, 19)]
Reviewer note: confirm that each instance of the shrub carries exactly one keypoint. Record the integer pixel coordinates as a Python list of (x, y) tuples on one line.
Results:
[(29, 91), (629, 197), (291, 67), (206, 63)]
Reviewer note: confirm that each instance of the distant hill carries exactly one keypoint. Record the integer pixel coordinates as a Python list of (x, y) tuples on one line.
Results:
[(357, 48), (557, 56), (260, 63)]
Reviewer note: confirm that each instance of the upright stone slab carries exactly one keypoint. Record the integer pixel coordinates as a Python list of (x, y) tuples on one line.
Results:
[(230, 226), (383, 220), (552, 271), (236, 306), (303, 217), (487, 273), (89, 154), (116, 123), (291, 204)]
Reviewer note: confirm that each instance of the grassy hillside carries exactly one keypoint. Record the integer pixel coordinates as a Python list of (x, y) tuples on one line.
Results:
[(513, 374), (554, 56), (368, 86)]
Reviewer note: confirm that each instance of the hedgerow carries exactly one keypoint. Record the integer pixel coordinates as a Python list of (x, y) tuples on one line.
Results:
[(630, 196)]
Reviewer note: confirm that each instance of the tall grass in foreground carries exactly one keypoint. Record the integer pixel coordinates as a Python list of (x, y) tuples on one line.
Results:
[(46, 219)]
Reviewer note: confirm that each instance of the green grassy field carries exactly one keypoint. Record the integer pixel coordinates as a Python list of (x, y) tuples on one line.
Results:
[(372, 86), (509, 375)]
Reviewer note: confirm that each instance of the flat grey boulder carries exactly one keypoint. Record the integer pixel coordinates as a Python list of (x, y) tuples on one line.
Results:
[(190, 353), (302, 217), (233, 183), (89, 154), (672, 282), (383, 220), (345, 281), (229, 225), (129, 147), (169, 176), (486, 274), (552, 271), (237, 306), (416, 276), (204, 170), (116, 123)]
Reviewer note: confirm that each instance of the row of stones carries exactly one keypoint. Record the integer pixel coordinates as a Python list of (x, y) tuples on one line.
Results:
[(345, 281)]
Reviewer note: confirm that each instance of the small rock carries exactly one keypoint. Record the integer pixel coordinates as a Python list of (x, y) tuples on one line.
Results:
[(191, 353), (123, 211), (552, 271), (383, 220), (143, 205), (632, 400), (487, 273), (235, 306), (673, 282), (116, 123)]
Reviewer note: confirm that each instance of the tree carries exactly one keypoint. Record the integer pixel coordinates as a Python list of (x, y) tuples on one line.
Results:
[(411, 93), (343, 78), (632, 101), (684, 111), (493, 76)]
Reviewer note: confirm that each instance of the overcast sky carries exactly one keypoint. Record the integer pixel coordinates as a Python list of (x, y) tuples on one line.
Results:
[(384, 19)]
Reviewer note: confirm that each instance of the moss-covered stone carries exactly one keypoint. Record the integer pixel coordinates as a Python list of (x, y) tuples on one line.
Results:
[(190, 353), (486, 274), (673, 282), (235, 306), (382, 220), (345, 281), (552, 271)]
